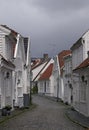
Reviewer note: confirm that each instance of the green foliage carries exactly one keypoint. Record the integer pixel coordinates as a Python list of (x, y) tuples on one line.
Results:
[(34, 90), (8, 107)]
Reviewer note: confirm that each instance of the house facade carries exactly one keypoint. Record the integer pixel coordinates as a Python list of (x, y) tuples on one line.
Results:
[(15, 48), (79, 54), (7, 44), (58, 74), (22, 71), (45, 82), (83, 71), (68, 88), (6, 82), (38, 67)]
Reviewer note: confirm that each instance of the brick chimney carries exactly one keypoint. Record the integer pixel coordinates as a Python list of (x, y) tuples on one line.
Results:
[(45, 56)]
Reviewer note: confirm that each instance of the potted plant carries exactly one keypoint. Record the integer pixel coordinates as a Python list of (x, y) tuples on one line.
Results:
[(6, 110)]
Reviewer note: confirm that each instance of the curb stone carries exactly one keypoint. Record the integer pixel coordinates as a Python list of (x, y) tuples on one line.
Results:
[(75, 121)]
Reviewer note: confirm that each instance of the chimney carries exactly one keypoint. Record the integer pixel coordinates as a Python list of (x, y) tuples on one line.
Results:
[(45, 56)]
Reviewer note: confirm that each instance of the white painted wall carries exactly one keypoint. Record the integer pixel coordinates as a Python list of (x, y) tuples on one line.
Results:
[(78, 56), (46, 87), (19, 76), (68, 91), (80, 53), (83, 106)]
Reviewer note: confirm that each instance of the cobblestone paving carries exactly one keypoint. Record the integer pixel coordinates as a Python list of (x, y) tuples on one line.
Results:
[(48, 115)]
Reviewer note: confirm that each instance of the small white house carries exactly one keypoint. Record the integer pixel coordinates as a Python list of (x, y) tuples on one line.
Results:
[(39, 67), (58, 73), (68, 89), (22, 71), (16, 48), (7, 44), (79, 54), (83, 71), (45, 82)]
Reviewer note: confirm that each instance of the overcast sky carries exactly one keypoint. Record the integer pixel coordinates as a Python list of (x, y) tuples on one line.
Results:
[(53, 25)]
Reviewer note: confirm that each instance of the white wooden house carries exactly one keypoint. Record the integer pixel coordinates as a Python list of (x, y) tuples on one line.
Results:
[(7, 44), (58, 73), (22, 71), (38, 67), (45, 82), (16, 48), (83, 71), (68, 89), (79, 54)]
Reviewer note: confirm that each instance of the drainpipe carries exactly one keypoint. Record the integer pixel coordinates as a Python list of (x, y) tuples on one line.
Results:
[(57, 87)]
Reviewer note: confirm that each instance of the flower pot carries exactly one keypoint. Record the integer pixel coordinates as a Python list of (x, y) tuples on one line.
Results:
[(4, 112)]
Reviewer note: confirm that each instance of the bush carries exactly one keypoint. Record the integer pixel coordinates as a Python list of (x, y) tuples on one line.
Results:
[(6, 110), (34, 89), (8, 107)]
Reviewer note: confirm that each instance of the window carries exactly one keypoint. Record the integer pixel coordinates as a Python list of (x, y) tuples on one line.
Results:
[(20, 91), (83, 41)]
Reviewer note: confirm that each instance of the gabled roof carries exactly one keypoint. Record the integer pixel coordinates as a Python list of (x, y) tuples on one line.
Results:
[(61, 56), (12, 31), (47, 73), (46, 63), (84, 64), (38, 62), (9, 63), (78, 42)]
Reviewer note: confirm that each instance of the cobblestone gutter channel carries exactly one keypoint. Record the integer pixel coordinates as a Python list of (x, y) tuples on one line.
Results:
[(77, 118)]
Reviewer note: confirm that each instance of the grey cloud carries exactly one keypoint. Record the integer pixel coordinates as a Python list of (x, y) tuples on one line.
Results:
[(52, 24), (60, 5)]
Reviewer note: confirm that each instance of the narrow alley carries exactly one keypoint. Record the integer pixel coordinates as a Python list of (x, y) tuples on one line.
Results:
[(48, 115)]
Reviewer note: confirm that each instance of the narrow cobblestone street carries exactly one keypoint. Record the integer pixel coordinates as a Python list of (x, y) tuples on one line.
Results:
[(48, 115)]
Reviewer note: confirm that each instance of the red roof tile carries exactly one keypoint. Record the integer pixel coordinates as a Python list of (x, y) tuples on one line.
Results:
[(84, 64), (48, 72), (61, 55)]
